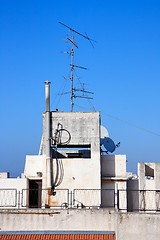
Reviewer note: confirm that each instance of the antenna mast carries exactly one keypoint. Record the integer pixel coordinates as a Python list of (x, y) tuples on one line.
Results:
[(73, 66), (72, 72)]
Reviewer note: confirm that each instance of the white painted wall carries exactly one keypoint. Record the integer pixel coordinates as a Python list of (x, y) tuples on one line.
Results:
[(33, 165), (113, 165), (128, 226)]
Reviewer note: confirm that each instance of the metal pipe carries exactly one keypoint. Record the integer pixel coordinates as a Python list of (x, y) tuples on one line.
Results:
[(47, 95), (48, 134)]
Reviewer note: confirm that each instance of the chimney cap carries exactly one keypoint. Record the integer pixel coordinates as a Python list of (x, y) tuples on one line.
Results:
[(47, 82)]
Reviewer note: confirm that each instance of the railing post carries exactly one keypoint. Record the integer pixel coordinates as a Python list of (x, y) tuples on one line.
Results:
[(18, 198), (116, 197), (70, 200)]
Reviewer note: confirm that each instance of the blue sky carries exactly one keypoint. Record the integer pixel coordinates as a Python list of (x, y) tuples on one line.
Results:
[(123, 72)]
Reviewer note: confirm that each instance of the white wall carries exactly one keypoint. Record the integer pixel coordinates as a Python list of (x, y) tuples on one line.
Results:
[(113, 165), (128, 226), (33, 165), (131, 226)]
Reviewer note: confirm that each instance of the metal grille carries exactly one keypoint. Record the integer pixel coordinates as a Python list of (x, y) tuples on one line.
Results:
[(86, 198), (93, 198), (8, 198), (139, 200)]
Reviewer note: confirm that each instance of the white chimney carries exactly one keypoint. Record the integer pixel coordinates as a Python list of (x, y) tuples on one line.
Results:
[(48, 134)]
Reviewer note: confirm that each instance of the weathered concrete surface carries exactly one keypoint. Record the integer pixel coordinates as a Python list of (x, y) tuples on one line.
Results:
[(71, 220), (127, 226), (140, 226)]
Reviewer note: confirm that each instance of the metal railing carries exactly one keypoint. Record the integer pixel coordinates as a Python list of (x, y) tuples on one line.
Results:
[(139, 200), (8, 198), (122, 200), (59, 198), (103, 198)]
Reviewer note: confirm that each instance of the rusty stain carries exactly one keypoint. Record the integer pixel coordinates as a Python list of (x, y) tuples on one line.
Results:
[(52, 201)]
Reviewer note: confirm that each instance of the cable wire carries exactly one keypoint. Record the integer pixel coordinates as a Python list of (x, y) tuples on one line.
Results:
[(132, 125)]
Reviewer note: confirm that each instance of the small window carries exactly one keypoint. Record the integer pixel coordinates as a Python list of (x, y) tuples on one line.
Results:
[(149, 172)]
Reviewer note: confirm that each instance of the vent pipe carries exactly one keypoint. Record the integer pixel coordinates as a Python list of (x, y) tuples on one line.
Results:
[(47, 95), (48, 134)]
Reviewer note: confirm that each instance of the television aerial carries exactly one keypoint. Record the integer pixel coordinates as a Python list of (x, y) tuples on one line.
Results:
[(74, 90)]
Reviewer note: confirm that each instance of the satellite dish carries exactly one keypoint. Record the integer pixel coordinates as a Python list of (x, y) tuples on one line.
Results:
[(109, 144), (104, 132)]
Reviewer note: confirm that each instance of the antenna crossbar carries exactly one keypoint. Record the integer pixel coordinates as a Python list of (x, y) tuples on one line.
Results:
[(84, 91), (83, 97), (73, 65), (90, 39), (72, 42)]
